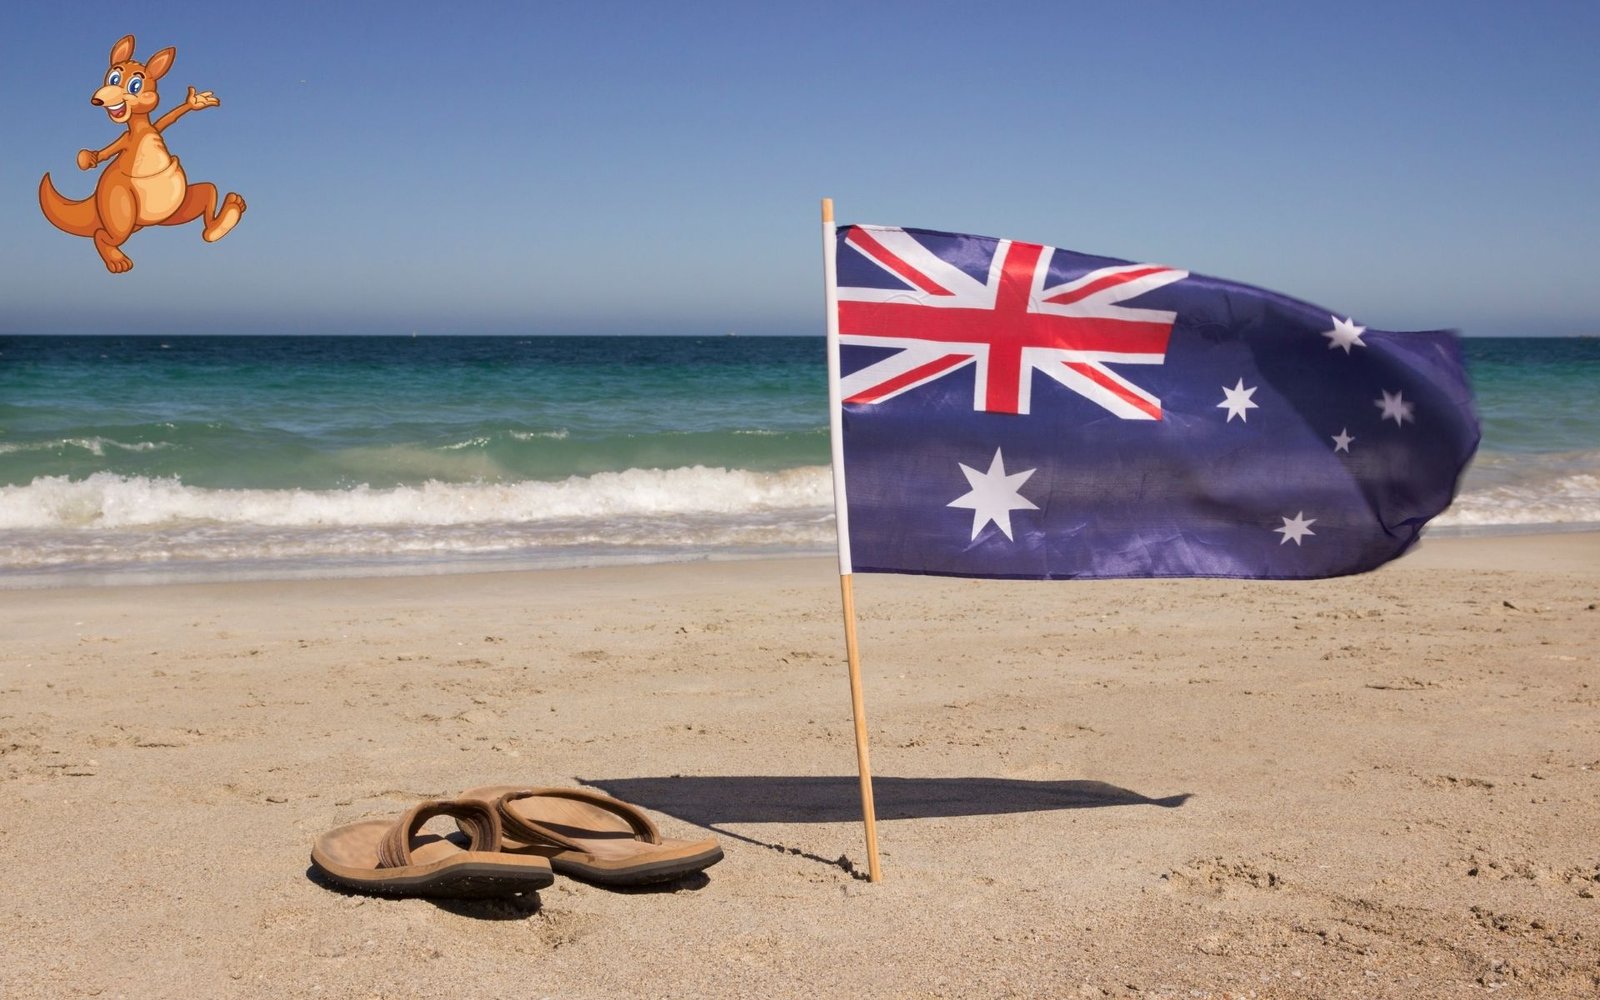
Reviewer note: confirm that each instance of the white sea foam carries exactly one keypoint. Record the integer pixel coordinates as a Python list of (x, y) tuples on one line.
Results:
[(109, 501), (1568, 500), (1508, 490), (110, 527), (94, 445), (556, 435)]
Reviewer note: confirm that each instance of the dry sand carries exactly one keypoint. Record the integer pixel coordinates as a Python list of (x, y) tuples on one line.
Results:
[(1381, 786)]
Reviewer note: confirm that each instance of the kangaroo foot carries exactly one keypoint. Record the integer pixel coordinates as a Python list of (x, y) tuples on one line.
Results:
[(227, 218), (116, 261)]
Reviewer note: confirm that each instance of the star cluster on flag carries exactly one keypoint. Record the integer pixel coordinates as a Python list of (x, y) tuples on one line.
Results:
[(995, 494)]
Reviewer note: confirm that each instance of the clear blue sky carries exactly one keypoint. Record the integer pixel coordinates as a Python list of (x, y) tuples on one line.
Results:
[(603, 167)]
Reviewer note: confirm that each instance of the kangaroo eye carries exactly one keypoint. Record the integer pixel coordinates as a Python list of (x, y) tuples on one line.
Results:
[(137, 85), (114, 77)]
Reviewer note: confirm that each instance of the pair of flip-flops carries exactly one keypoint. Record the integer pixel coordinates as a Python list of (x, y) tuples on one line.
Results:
[(512, 839)]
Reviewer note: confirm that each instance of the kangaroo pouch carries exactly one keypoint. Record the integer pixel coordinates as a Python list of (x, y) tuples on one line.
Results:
[(160, 193)]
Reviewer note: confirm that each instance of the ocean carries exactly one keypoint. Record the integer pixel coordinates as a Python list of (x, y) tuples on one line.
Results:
[(150, 459)]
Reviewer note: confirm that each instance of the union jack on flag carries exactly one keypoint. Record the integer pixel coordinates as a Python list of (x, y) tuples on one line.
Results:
[(1009, 322), (1015, 410)]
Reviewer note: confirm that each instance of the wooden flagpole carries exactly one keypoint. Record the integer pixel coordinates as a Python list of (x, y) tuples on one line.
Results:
[(869, 814), (841, 518)]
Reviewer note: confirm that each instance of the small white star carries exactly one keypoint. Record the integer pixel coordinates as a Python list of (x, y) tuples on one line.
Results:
[(1394, 406), (1344, 334), (1341, 440), (1296, 527), (993, 495), (1237, 401)]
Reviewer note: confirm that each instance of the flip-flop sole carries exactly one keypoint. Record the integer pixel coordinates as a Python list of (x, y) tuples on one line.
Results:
[(648, 873), (437, 866), (466, 879)]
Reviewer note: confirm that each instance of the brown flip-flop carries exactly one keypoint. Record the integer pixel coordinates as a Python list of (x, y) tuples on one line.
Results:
[(592, 837), (395, 858)]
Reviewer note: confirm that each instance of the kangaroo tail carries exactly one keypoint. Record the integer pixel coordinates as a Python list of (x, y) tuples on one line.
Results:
[(76, 217)]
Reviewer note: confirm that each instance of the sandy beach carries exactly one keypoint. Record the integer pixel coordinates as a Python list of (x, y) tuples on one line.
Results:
[(1378, 786)]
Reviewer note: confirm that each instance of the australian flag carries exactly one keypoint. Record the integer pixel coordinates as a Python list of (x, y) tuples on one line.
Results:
[(1015, 410)]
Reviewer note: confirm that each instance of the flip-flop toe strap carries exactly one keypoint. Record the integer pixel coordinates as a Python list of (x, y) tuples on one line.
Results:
[(522, 828), (480, 823)]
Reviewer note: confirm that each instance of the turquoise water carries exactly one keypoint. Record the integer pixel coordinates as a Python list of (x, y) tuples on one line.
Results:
[(334, 412), (169, 458), (1539, 464)]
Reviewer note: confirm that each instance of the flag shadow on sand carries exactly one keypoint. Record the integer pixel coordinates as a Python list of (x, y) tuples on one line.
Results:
[(714, 802)]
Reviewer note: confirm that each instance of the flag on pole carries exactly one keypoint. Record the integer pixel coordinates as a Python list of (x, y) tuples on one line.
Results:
[(1014, 410)]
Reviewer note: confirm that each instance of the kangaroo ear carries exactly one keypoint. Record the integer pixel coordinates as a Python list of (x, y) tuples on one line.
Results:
[(159, 63), (123, 50)]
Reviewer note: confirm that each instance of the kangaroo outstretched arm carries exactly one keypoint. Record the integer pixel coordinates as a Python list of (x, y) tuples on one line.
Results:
[(194, 102)]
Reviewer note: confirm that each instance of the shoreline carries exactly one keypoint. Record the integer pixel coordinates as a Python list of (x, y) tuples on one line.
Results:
[(159, 575), (1383, 785), (194, 574)]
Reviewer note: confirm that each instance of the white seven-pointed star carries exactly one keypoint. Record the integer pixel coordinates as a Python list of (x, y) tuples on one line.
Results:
[(1237, 401), (993, 495), (1296, 527), (1395, 407), (1341, 440), (1344, 334)]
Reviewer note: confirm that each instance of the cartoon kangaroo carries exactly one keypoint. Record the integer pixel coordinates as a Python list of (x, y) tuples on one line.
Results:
[(142, 185)]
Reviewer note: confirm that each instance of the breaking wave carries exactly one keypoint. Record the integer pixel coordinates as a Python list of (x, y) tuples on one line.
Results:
[(122, 527), (107, 500), (1509, 490)]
